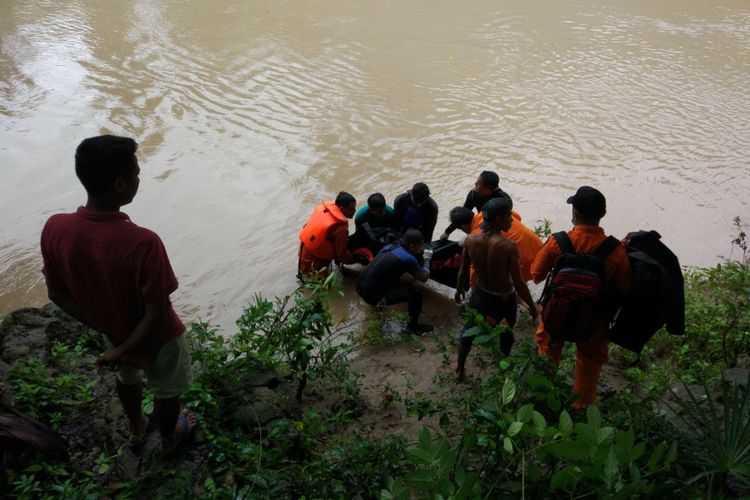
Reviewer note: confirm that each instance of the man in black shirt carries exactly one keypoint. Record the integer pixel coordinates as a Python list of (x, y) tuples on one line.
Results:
[(485, 188), (416, 209)]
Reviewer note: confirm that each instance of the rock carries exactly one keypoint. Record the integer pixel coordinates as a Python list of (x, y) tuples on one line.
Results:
[(268, 378), (267, 405), (22, 335), (737, 376)]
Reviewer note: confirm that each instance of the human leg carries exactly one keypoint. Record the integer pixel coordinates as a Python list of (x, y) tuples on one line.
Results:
[(464, 348), (506, 310), (590, 357), (168, 377), (547, 346), (131, 398), (413, 298)]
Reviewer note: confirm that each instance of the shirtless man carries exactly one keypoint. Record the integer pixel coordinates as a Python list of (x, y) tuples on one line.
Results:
[(496, 264)]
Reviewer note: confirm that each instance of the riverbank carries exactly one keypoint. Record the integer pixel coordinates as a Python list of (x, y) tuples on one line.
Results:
[(393, 411)]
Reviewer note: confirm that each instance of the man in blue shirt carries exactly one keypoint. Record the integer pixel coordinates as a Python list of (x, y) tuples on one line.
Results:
[(376, 213), (381, 282)]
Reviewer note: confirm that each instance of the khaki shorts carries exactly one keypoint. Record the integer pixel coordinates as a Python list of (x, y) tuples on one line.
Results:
[(170, 373)]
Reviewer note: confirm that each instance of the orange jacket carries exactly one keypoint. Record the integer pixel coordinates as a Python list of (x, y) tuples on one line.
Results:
[(528, 243), (315, 235), (585, 239)]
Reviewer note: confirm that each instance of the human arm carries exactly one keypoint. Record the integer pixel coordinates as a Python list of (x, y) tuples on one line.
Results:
[(399, 211), (462, 281), (62, 297), (470, 201), (339, 236), (430, 219), (544, 260), (424, 274), (520, 285), (448, 230), (153, 320), (360, 217)]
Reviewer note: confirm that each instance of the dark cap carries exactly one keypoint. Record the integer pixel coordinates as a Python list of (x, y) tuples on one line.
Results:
[(494, 208), (589, 202), (420, 192)]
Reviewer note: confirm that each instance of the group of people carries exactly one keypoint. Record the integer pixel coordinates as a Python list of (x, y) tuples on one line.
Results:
[(499, 256), (115, 276)]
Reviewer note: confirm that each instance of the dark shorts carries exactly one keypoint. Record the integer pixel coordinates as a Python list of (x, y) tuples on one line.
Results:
[(491, 306)]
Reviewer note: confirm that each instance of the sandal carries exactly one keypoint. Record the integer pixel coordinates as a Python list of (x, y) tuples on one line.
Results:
[(183, 430)]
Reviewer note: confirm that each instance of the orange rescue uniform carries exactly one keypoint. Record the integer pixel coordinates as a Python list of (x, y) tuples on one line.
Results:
[(528, 243), (593, 353), (324, 239)]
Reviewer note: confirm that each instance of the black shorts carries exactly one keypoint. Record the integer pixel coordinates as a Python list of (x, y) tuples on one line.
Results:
[(492, 306)]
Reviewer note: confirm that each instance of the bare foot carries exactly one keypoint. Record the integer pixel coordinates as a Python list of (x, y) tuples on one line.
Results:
[(186, 424), (460, 374), (138, 434)]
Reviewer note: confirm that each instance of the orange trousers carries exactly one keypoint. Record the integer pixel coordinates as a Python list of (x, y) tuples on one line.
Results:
[(590, 357)]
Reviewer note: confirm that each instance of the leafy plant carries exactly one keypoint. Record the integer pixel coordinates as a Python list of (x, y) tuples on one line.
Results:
[(717, 439), (299, 336), (543, 228), (437, 473)]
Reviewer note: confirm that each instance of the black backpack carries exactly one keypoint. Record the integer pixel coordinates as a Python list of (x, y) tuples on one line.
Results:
[(573, 297)]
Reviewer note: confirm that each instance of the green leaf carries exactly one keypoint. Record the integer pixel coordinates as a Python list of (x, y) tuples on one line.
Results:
[(508, 445), (593, 417), (487, 415), (515, 428), (524, 413), (572, 451), (540, 423), (653, 461), (624, 444), (553, 403), (425, 439), (611, 468), (671, 455), (637, 452), (421, 479), (565, 479), (444, 421), (473, 331), (605, 434), (566, 423), (508, 392), (538, 381)]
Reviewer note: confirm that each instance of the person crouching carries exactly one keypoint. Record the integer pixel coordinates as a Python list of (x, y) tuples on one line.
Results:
[(390, 278)]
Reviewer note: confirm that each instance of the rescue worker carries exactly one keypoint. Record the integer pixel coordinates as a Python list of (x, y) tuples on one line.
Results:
[(589, 206), (324, 238), (390, 278), (527, 240), (416, 209), (486, 188)]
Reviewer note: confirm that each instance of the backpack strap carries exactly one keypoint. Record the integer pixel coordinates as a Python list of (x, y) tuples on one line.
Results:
[(563, 241), (606, 248)]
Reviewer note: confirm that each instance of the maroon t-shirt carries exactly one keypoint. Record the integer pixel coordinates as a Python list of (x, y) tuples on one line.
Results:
[(112, 268)]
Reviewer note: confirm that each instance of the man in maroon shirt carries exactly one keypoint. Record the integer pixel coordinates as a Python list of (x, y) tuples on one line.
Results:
[(116, 278)]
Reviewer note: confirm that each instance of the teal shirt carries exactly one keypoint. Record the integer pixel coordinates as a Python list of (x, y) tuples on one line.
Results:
[(363, 215)]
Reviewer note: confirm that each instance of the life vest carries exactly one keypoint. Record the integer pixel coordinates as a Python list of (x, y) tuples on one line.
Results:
[(314, 234)]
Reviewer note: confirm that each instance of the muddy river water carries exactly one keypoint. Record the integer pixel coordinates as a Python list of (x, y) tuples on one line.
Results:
[(248, 113)]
